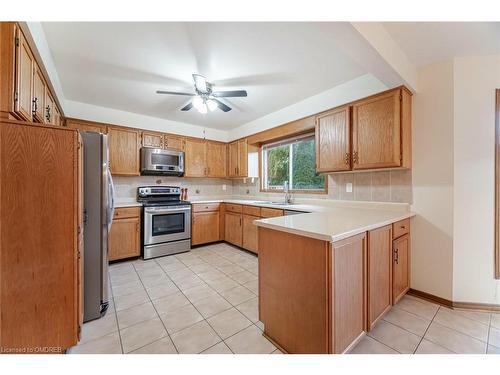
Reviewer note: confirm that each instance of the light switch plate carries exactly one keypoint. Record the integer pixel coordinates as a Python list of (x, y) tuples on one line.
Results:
[(224, 187), (348, 187)]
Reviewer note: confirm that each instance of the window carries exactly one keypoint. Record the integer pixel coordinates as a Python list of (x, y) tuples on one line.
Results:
[(292, 160)]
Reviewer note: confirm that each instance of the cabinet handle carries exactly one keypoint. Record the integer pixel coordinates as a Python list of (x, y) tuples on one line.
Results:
[(355, 157), (396, 256), (346, 158), (402, 227), (35, 105), (47, 113)]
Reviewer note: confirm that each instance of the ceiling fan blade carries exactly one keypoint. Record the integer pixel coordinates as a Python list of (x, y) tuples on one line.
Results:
[(187, 107), (174, 93), (200, 83), (222, 106), (230, 94)]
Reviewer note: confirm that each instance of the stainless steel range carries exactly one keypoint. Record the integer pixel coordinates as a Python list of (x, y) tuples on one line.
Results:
[(166, 221)]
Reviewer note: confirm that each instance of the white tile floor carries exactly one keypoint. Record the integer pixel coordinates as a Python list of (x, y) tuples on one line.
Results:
[(418, 326), (205, 301)]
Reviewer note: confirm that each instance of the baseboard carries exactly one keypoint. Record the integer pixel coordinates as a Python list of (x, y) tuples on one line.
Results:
[(491, 307)]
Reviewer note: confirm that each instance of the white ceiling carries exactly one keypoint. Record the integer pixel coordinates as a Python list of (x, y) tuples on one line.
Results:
[(121, 65), (428, 42)]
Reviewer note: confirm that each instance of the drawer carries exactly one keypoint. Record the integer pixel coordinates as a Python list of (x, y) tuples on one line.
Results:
[(206, 207), (126, 212), (270, 212), (233, 207), (400, 228), (251, 210)]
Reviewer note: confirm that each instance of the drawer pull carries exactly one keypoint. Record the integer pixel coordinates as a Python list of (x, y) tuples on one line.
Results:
[(402, 227)]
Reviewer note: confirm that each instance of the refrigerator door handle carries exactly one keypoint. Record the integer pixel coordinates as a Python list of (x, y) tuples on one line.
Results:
[(111, 200)]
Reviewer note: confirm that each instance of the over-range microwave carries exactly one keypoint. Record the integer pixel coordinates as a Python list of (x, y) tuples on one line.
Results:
[(157, 161)]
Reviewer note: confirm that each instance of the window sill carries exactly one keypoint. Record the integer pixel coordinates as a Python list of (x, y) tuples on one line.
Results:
[(294, 191)]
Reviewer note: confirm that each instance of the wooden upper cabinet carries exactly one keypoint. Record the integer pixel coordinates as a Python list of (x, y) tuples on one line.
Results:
[(58, 119), (379, 273), (87, 126), (25, 67), (124, 145), (400, 268), (238, 158), (174, 142), (376, 131), (216, 159), (195, 158), (38, 95), (333, 141), (232, 163), (152, 139)]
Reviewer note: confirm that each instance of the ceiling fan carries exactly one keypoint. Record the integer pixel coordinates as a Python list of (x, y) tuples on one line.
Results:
[(204, 98)]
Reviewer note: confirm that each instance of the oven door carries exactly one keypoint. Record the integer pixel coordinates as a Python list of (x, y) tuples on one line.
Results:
[(164, 224)]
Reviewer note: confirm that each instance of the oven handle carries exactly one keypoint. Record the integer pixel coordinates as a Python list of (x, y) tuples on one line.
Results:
[(156, 210)]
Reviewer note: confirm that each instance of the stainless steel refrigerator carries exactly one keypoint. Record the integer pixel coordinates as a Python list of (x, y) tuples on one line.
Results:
[(98, 198)]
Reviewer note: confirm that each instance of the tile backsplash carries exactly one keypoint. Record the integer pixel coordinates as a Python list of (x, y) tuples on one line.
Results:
[(126, 187), (379, 186), (376, 186)]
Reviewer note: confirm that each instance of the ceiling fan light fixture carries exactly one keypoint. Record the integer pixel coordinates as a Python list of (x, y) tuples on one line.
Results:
[(212, 105), (203, 109), (198, 102)]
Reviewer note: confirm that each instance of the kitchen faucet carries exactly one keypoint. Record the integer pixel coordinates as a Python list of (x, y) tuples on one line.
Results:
[(288, 195)]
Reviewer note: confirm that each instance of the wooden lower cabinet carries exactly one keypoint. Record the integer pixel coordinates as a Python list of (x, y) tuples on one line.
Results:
[(250, 233), (233, 232), (379, 273), (348, 291), (400, 267), (205, 227), (124, 237)]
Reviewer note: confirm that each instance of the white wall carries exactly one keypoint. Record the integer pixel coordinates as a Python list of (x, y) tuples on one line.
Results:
[(114, 116), (432, 169), (476, 79), (357, 88)]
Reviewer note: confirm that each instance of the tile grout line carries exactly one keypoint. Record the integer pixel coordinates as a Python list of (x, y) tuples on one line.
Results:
[(429, 326), (199, 312), (158, 315), (116, 312)]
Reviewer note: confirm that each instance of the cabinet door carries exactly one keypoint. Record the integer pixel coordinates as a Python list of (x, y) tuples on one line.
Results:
[(38, 95), (400, 268), (233, 230), (242, 158), (233, 159), (195, 158), (25, 63), (216, 159), (174, 143), (348, 264), (333, 141), (205, 227), (48, 112), (124, 151), (379, 273), (150, 139), (124, 240), (250, 233), (376, 129)]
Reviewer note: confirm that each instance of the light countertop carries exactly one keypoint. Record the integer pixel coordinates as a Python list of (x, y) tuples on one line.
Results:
[(334, 224)]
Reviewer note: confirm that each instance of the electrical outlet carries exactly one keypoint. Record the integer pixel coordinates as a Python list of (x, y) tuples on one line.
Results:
[(348, 187), (224, 187)]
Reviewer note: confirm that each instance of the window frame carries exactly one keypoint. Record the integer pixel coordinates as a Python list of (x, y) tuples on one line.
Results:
[(289, 139)]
